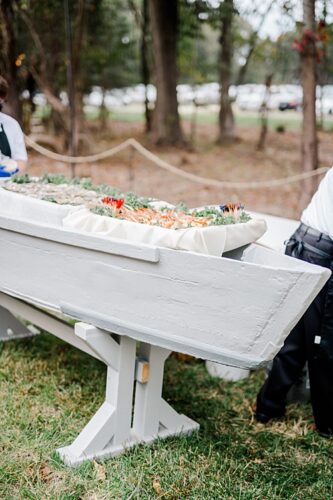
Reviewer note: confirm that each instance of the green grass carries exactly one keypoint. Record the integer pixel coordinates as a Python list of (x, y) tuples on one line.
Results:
[(289, 120), (48, 391)]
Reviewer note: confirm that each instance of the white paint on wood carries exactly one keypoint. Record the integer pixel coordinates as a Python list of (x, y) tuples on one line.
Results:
[(216, 308), (80, 239), (45, 321), (110, 431), (11, 328), (233, 311), (279, 230)]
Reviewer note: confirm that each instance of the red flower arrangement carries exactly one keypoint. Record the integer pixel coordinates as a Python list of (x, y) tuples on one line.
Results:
[(113, 202)]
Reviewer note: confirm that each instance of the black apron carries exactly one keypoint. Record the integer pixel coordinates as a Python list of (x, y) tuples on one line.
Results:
[(326, 345), (4, 144), (295, 247)]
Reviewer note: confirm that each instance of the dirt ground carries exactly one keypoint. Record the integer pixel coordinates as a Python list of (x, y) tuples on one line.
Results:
[(237, 162)]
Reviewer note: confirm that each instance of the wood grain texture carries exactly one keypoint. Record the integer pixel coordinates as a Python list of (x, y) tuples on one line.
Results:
[(216, 308)]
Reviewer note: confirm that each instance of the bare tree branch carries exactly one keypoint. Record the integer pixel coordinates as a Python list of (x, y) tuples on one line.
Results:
[(41, 75), (137, 13), (252, 44)]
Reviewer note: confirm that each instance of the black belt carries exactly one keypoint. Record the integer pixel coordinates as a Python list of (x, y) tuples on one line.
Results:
[(299, 242), (314, 232)]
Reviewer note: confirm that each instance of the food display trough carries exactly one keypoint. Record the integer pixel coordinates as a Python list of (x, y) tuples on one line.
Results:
[(235, 310)]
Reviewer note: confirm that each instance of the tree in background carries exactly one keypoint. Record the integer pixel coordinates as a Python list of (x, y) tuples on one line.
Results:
[(276, 57), (141, 16), (264, 114), (164, 26), (45, 54), (105, 53), (226, 117), (9, 58), (323, 69), (308, 54), (195, 42), (252, 40), (112, 49)]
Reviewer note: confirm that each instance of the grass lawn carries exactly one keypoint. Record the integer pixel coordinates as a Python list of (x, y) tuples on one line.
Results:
[(290, 120), (49, 390)]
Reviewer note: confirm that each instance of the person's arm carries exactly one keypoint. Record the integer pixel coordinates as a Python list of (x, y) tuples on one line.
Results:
[(22, 165)]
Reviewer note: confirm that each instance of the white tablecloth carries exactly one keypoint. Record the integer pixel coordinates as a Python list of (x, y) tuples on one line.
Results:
[(212, 240)]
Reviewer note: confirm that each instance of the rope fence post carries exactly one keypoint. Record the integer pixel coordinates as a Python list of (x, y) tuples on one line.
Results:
[(72, 170), (131, 169)]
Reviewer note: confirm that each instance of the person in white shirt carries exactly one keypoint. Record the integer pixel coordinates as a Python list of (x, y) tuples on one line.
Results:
[(319, 213), (11, 136), (311, 340)]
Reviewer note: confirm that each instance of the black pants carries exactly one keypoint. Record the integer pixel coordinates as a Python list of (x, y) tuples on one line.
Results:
[(300, 345)]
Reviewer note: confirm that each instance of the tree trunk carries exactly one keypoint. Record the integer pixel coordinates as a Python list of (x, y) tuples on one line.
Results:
[(103, 112), (324, 66), (13, 105), (264, 114), (145, 70), (164, 23), (143, 21), (226, 117), (309, 132), (78, 31)]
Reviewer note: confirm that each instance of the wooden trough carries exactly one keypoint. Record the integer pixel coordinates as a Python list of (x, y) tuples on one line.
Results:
[(236, 310)]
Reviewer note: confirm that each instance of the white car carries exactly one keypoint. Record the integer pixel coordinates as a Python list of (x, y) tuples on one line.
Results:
[(324, 102)]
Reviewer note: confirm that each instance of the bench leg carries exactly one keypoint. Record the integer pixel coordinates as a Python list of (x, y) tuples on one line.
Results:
[(11, 328), (110, 431), (153, 416)]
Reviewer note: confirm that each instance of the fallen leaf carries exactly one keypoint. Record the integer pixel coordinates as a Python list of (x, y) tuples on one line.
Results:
[(157, 485), (100, 471), (45, 473)]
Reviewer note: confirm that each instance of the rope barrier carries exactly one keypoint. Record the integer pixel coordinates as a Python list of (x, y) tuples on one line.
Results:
[(173, 169), (77, 159), (226, 184)]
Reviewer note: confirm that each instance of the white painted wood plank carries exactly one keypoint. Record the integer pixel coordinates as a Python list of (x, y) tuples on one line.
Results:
[(81, 239), (148, 396), (215, 308), (45, 321), (11, 328)]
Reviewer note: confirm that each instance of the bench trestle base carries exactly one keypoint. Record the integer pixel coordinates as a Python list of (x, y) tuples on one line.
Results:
[(118, 425)]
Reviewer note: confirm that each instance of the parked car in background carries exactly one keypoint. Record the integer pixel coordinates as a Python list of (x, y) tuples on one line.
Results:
[(207, 93), (290, 103), (185, 93), (324, 102), (282, 97), (250, 97)]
